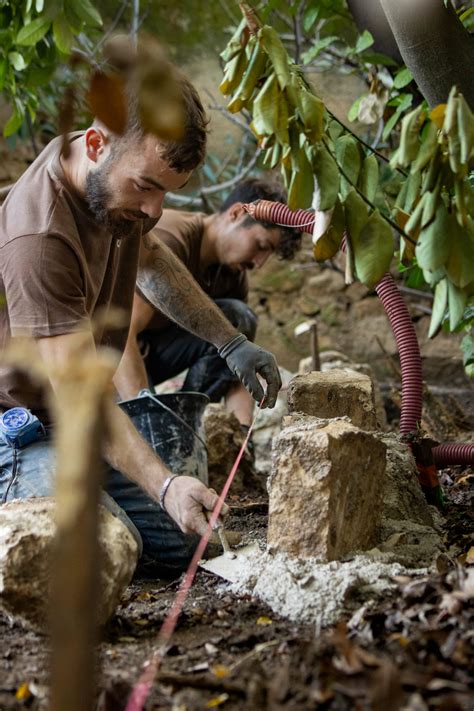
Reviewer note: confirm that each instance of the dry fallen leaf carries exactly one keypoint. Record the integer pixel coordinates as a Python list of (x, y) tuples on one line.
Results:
[(23, 692), (217, 701), (264, 621), (220, 671)]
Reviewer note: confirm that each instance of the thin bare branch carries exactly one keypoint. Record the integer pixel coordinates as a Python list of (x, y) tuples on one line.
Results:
[(198, 201)]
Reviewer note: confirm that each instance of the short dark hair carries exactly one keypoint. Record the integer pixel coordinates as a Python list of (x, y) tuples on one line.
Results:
[(184, 154), (252, 189)]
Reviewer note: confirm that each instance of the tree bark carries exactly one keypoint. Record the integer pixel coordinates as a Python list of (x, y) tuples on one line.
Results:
[(435, 46), (370, 16)]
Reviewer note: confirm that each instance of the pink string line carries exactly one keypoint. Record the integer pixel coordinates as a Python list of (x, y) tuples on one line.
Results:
[(142, 688)]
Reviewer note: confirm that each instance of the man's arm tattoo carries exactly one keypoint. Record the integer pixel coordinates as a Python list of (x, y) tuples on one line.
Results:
[(170, 287)]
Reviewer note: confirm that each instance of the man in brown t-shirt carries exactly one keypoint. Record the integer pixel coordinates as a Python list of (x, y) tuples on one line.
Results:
[(218, 249), (70, 234)]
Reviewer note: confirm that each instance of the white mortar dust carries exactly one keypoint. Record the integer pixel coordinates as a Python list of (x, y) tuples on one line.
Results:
[(315, 592)]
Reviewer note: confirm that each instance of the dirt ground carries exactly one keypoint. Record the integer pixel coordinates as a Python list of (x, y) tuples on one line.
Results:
[(413, 650)]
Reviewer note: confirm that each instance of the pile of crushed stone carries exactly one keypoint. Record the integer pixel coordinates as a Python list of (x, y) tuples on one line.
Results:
[(315, 592)]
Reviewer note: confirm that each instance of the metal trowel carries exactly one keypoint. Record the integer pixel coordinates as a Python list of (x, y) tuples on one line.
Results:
[(233, 561)]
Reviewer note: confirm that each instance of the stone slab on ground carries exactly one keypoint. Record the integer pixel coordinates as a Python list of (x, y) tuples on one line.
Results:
[(325, 488), (335, 393), (27, 531)]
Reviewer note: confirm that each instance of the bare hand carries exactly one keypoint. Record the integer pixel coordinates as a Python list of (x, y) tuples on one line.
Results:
[(187, 500)]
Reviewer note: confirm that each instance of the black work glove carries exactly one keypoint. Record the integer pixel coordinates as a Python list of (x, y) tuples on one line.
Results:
[(245, 359)]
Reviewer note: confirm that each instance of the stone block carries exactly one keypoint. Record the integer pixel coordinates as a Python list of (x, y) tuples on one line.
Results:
[(335, 393), (27, 531), (325, 489)]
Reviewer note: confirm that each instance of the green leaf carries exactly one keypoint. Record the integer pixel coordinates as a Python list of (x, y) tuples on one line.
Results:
[(457, 301), (432, 249), (393, 120), (373, 250), (300, 193), (327, 176), (87, 12), (63, 35), (3, 72), (277, 53), (349, 161), (356, 212), (466, 14), (354, 110), (467, 347), (402, 78), (310, 17), (364, 42), (312, 114), (318, 47), (328, 244), (369, 177), (33, 32), (378, 58), (439, 307), (15, 121), (265, 108), (460, 264), (16, 59)]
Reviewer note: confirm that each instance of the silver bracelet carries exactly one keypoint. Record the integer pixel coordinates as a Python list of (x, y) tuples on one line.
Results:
[(165, 488)]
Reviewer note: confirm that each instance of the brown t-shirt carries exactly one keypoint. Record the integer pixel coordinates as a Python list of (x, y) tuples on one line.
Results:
[(182, 232), (58, 266)]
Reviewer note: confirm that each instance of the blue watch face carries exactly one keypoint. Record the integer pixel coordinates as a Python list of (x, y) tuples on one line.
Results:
[(15, 418)]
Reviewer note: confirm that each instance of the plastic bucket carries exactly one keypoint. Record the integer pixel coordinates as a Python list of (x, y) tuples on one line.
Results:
[(172, 424)]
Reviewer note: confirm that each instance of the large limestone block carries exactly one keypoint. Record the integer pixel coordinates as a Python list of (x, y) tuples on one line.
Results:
[(26, 535), (335, 393), (325, 489)]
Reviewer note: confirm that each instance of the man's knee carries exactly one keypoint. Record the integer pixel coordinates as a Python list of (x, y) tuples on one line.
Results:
[(240, 315)]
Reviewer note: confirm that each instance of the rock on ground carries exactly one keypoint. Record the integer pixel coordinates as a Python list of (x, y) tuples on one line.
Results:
[(27, 530), (325, 489), (336, 393), (224, 438)]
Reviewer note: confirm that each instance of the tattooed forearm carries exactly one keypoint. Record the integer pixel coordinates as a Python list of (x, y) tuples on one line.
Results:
[(170, 287)]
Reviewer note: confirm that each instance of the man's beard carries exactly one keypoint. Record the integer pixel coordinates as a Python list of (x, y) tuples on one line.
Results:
[(98, 197)]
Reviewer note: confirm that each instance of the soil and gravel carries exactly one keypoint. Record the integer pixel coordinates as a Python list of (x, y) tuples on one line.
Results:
[(411, 648)]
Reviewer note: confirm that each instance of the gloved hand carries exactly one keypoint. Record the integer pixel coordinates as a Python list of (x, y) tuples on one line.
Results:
[(246, 359)]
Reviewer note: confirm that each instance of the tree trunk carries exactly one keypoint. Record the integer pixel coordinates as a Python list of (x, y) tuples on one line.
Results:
[(434, 45), (370, 16)]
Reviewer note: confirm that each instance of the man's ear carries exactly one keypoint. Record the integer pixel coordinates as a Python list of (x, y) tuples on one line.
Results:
[(236, 212), (97, 143)]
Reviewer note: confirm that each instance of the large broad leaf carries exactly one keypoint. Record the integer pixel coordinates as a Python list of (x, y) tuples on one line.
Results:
[(273, 46), (460, 264), (312, 114), (457, 301), (328, 244), (369, 177), (433, 246), (265, 108), (356, 212), (327, 176), (33, 32), (373, 250), (301, 188), (439, 307), (349, 160)]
